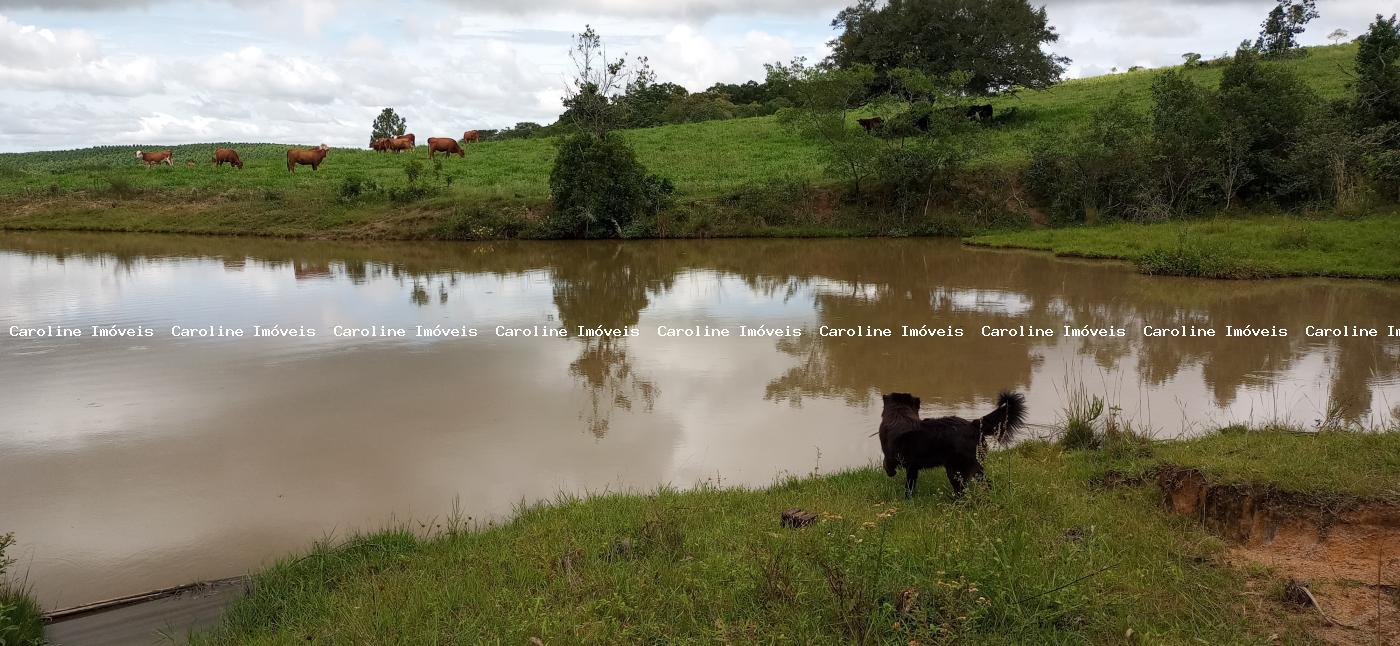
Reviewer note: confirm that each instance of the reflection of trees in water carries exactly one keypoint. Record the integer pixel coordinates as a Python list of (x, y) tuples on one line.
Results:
[(419, 294), (892, 283), (605, 371), (884, 283), (947, 372), (608, 286)]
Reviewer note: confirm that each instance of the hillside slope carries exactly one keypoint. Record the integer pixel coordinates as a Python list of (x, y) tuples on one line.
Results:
[(702, 159), (738, 178)]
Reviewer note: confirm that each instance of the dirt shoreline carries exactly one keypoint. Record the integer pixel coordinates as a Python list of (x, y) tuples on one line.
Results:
[(1340, 555)]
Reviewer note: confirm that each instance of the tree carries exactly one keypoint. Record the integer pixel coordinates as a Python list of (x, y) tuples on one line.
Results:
[(598, 187), (1279, 33), (998, 41), (1264, 107), (645, 101), (1378, 72), (1338, 35), (590, 98), (387, 124), (1191, 59), (600, 190), (1185, 134), (825, 97)]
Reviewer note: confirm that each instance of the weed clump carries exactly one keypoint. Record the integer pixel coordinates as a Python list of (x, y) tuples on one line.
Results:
[(21, 618)]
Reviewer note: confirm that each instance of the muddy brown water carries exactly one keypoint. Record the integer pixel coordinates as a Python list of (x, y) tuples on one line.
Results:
[(134, 463)]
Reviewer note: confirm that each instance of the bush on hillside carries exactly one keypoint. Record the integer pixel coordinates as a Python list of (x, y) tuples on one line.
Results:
[(918, 175), (1100, 171), (1186, 131), (1378, 72), (1266, 107), (600, 190)]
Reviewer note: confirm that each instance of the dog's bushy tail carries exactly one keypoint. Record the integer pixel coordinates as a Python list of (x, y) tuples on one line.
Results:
[(1008, 418)]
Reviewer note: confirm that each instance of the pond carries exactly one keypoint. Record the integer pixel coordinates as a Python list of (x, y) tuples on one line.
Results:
[(183, 408)]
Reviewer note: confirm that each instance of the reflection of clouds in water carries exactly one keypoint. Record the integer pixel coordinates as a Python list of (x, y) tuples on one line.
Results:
[(981, 300)]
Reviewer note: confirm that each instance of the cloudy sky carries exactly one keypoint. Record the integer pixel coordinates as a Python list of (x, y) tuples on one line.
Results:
[(86, 72)]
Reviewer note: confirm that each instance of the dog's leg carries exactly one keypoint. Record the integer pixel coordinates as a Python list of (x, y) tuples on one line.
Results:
[(979, 474), (957, 479), (911, 480), (891, 463)]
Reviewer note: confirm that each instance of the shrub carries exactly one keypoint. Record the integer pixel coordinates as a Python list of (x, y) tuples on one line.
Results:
[(118, 186), (1328, 164), (410, 193), (478, 223), (352, 187), (1101, 170), (413, 169), (918, 175), (600, 190), (1382, 161)]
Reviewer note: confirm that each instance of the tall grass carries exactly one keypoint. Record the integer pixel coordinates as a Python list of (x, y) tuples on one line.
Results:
[(21, 618)]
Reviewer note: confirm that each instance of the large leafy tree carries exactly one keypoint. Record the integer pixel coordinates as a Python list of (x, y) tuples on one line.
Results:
[(1280, 30), (998, 42), (387, 124), (1378, 72), (1265, 108)]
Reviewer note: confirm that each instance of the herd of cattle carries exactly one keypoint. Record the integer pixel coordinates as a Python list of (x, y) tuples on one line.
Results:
[(314, 156), (981, 113)]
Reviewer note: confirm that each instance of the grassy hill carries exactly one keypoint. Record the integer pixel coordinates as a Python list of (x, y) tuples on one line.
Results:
[(106, 188)]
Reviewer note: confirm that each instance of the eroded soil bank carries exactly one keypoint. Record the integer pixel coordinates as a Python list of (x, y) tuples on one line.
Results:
[(1339, 556)]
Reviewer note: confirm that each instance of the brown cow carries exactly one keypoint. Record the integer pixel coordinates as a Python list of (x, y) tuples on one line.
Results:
[(381, 144), (400, 144), (471, 136), (312, 158), (151, 159), (227, 156), (444, 145)]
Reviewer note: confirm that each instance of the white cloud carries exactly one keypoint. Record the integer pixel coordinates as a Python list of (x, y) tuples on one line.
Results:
[(31, 47), (252, 71), (696, 60), (34, 58)]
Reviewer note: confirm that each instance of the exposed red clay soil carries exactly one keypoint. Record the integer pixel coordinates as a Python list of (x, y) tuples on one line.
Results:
[(1342, 554)]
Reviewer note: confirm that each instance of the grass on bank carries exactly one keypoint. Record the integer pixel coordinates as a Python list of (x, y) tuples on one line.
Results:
[(1230, 247), (1042, 556), (21, 618), (1362, 465)]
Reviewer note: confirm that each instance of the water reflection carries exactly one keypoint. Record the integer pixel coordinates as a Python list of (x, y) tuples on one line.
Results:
[(160, 460)]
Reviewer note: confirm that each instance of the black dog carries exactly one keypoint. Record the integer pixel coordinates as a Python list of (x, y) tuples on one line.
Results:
[(948, 442)]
